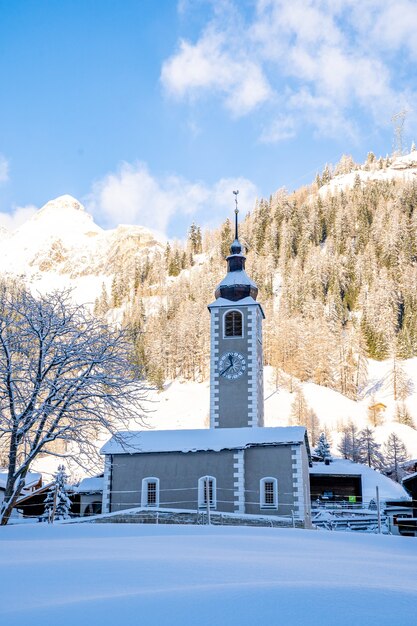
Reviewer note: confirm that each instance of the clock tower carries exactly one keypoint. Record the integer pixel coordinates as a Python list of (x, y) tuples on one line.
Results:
[(236, 359)]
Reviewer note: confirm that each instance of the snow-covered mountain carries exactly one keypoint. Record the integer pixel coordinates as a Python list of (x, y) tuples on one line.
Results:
[(61, 246)]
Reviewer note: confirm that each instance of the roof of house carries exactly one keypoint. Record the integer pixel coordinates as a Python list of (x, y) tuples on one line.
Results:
[(92, 484), (32, 479), (409, 477), (203, 439), (370, 478)]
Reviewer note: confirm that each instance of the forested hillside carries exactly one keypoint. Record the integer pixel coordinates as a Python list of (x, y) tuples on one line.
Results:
[(337, 274)]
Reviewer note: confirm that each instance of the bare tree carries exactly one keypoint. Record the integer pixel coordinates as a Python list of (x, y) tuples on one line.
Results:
[(65, 376), (395, 453), (349, 446), (369, 449), (299, 409)]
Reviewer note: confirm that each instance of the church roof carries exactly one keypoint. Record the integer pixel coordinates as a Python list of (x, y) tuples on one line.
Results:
[(203, 439), (244, 301)]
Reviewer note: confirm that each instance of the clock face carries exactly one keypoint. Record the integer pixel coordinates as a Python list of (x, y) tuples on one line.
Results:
[(232, 365)]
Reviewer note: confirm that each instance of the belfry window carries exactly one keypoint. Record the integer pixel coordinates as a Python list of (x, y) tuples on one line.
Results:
[(233, 324)]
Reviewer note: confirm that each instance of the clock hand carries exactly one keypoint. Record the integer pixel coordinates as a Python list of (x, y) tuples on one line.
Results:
[(224, 371), (231, 360)]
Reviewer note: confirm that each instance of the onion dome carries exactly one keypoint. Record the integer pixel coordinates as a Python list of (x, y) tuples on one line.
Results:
[(236, 285)]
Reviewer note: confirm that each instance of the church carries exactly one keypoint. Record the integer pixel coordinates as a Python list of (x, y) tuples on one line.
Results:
[(237, 465)]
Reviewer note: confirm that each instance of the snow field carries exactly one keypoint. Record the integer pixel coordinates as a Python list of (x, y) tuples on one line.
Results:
[(187, 575)]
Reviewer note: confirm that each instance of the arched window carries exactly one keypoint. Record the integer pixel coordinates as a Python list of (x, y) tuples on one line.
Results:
[(150, 492), (233, 324), (207, 487), (268, 489)]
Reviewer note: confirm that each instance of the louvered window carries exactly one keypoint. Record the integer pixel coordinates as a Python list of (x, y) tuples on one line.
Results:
[(233, 324)]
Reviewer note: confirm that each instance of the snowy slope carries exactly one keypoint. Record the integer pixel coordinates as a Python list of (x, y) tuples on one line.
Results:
[(402, 168), (186, 405), (161, 575)]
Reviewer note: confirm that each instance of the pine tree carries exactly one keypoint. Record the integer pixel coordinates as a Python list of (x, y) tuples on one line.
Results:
[(115, 293), (326, 176), (323, 448), (194, 238), (395, 453), (225, 239), (57, 502)]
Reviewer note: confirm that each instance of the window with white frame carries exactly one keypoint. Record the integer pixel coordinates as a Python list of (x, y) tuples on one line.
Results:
[(207, 490), (233, 324), (150, 492), (269, 493)]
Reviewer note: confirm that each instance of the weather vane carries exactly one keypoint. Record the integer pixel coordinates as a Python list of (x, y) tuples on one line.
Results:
[(236, 212)]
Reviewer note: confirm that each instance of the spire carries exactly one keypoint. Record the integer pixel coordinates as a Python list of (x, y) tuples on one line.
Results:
[(236, 248), (237, 284)]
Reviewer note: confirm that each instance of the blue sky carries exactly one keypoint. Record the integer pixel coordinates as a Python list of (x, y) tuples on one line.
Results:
[(152, 112)]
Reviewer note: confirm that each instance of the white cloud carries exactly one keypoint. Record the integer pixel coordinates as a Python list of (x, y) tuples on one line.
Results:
[(4, 169), (133, 195), (282, 128), (206, 66), (348, 56), (13, 220)]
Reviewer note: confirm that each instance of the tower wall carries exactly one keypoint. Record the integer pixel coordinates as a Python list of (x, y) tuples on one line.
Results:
[(238, 402)]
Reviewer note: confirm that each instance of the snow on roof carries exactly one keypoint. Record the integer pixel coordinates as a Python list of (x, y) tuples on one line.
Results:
[(32, 478), (388, 489), (238, 277), (213, 439), (243, 301), (91, 484), (409, 476)]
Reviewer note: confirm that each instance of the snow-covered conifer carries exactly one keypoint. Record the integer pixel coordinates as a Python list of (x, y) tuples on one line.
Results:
[(57, 502), (322, 449)]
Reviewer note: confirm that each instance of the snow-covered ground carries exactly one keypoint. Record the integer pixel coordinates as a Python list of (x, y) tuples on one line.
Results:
[(197, 575)]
